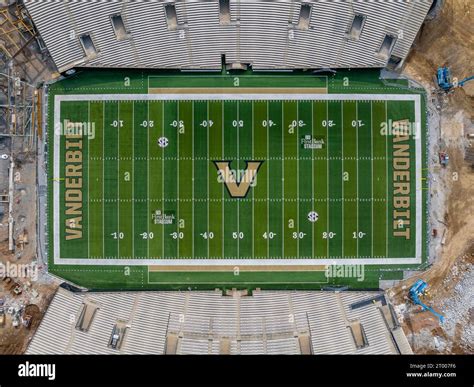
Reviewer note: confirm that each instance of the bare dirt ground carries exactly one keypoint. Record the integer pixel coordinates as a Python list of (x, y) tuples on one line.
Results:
[(29, 65), (36, 292), (25, 206), (14, 340), (446, 40)]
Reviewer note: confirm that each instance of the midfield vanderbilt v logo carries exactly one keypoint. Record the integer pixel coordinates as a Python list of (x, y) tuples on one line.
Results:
[(238, 187)]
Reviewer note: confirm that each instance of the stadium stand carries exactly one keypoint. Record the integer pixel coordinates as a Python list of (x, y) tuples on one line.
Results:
[(269, 322), (195, 34)]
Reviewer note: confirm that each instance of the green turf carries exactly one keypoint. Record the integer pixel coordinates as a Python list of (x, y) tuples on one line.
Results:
[(213, 81), (127, 177), (122, 202)]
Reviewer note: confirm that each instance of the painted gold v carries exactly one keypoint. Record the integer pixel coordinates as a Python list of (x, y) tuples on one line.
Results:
[(238, 189)]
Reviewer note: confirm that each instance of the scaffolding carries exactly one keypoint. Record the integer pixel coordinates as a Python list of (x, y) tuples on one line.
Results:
[(23, 65), (17, 35), (18, 109), (17, 69)]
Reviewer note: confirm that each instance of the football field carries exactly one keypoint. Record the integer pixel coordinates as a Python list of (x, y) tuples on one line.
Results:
[(268, 181)]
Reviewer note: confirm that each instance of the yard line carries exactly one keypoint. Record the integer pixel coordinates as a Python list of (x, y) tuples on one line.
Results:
[(88, 183), (177, 182), (223, 201), (238, 167), (253, 191), (342, 161), (148, 180), (118, 180), (133, 180), (386, 181), (163, 181), (207, 126), (327, 180), (372, 180), (103, 179), (283, 182), (312, 178), (192, 140), (357, 173), (297, 178), (298, 240), (268, 186)]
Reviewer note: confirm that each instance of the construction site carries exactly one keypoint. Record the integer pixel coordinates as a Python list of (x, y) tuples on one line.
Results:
[(446, 40), (24, 67), (433, 307)]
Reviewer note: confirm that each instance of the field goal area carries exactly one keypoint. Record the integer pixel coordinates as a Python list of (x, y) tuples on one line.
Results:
[(159, 179)]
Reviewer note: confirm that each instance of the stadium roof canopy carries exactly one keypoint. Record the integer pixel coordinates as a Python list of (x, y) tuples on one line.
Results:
[(194, 34)]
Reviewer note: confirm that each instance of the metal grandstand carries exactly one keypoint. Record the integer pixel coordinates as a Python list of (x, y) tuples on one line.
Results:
[(195, 34), (199, 322)]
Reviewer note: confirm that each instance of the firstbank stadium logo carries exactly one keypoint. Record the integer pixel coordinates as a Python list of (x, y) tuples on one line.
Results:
[(238, 182)]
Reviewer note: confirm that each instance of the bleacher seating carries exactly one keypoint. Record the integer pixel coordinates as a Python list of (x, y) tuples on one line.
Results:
[(207, 323), (265, 34)]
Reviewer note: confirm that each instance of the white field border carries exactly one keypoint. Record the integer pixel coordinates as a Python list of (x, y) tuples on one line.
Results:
[(251, 262)]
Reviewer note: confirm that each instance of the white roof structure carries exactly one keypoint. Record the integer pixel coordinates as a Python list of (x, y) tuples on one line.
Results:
[(198, 322), (195, 34)]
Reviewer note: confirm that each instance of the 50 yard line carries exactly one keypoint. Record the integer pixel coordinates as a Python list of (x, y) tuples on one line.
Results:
[(133, 180), (238, 167)]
